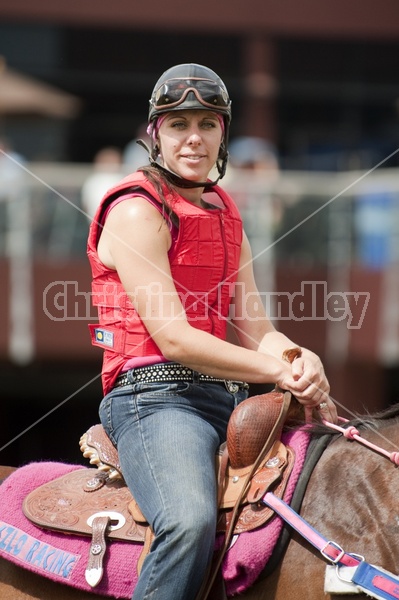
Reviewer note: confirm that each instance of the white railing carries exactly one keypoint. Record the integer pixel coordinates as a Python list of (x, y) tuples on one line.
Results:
[(43, 209), (332, 220)]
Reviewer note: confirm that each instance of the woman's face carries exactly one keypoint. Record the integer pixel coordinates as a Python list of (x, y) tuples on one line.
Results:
[(189, 142)]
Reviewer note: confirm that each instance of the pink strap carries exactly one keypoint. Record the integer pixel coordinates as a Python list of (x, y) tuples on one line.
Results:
[(351, 433), (330, 550)]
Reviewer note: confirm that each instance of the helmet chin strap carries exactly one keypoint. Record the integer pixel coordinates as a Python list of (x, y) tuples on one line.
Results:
[(181, 181)]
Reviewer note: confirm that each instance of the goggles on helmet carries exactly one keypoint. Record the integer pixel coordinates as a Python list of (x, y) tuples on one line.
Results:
[(174, 92)]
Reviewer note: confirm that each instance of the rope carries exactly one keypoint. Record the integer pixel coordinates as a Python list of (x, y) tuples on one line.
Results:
[(351, 433)]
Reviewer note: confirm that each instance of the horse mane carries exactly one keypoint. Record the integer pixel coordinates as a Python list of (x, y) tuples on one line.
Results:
[(378, 419)]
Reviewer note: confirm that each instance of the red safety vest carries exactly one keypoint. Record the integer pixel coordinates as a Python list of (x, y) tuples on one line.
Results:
[(204, 260)]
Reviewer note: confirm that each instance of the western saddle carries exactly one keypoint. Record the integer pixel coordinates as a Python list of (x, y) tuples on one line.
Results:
[(96, 501)]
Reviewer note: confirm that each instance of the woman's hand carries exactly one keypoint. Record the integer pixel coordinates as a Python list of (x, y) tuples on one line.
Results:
[(308, 383)]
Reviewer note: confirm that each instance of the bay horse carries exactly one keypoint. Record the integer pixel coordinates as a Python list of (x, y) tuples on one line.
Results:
[(352, 498)]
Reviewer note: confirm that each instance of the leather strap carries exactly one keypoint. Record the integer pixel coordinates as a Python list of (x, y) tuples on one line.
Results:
[(98, 546), (149, 538)]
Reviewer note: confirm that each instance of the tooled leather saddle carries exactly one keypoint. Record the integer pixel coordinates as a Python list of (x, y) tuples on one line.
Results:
[(96, 501)]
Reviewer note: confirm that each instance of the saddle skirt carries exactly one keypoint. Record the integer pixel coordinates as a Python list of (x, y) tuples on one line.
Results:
[(70, 503)]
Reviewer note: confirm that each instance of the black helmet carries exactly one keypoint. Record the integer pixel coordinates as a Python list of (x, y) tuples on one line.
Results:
[(191, 87)]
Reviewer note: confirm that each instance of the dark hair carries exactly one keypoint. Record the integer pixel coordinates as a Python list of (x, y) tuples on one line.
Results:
[(160, 182)]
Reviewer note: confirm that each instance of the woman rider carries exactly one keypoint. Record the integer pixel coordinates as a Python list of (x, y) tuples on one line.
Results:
[(170, 262)]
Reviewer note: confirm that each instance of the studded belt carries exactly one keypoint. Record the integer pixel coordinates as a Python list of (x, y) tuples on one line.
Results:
[(172, 372)]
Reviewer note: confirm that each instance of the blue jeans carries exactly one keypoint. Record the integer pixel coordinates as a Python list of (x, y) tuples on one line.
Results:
[(167, 435)]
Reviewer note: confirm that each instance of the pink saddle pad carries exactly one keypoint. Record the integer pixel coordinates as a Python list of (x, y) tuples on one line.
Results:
[(64, 558)]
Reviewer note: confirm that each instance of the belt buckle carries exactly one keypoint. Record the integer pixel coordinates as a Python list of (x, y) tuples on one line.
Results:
[(231, 386)]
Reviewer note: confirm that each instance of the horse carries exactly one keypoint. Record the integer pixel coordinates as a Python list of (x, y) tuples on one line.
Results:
[(351, 499)]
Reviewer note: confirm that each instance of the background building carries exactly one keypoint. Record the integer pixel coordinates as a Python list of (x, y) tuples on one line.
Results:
[(319, 79)]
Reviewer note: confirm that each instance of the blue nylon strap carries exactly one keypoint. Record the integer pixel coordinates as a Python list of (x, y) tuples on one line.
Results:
[(376, 582)]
